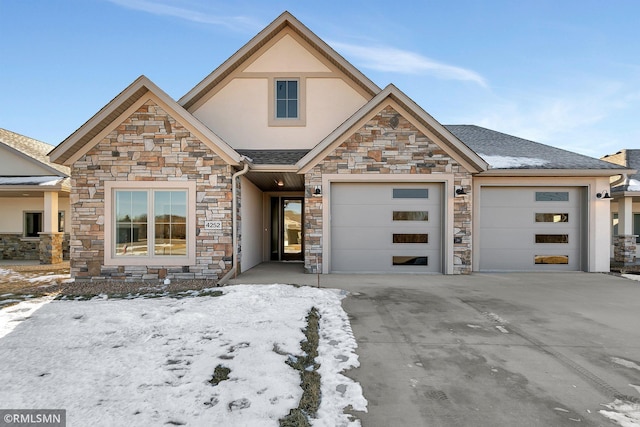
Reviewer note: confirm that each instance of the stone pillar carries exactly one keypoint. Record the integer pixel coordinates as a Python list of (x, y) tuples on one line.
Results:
[(624, 250), (51, 248)]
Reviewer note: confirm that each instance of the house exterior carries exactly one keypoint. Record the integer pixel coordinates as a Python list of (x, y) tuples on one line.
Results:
[(625, 207), (288, 152), (34, 201)]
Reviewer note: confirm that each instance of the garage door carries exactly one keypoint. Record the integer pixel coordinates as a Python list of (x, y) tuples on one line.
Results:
[(386, 228), (531, 229)]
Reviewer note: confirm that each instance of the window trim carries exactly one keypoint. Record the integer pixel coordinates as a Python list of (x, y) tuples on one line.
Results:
[(24, 223), (151, 258), (301, 120)]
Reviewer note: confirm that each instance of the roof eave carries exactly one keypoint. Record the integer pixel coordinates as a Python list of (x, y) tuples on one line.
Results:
[(142, 86), (474, 162), (553, 172), (284, 20)]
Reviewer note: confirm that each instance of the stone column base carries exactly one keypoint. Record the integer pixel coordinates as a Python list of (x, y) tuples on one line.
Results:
[(624, 249), (51, 248)]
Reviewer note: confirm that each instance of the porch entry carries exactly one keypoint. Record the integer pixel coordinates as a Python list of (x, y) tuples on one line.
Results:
[(286, 229)]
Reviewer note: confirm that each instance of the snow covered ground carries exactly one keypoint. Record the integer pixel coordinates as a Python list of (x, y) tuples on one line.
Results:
[(149, 361)]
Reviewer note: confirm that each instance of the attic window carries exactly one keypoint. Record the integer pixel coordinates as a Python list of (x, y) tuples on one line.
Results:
[(287, 99)]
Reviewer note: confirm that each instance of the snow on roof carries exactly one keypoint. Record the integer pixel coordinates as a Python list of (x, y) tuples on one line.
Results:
[(30, 180), (509, 162)]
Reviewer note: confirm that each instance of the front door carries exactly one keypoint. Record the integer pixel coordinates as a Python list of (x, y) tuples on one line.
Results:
[(286, 229)]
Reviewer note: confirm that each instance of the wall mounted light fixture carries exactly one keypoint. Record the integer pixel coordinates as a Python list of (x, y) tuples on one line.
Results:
[(460, 191), (317, 192), (604, 194)]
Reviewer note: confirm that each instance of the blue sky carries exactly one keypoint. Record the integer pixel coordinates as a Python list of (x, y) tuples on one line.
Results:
[(564, 73)]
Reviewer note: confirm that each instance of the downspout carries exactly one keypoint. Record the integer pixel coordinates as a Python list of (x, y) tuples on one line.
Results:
[(234, 221), (624, 178)]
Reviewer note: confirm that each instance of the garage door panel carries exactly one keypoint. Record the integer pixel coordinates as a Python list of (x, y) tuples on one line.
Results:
[(363, 227), (508, 228)]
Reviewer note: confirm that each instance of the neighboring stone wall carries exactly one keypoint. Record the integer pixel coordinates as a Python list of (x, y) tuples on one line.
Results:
[(15, 247), (51, 248), (624, 249), (377, 148), (150, 146)]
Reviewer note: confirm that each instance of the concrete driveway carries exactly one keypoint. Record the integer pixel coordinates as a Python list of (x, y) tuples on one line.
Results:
[(494, 349), (519, 349)]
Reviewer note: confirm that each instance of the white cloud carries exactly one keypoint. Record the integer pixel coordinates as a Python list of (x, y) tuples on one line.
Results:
[(394, 60), (157, 8)]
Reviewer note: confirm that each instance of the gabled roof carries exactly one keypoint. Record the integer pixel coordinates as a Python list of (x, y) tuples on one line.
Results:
[(509, 153), (141, 89), (447, 141), (262, 38), (32, 150)]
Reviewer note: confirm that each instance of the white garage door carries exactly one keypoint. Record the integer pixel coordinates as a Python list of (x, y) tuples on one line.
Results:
[(386, 228), (531, 229)]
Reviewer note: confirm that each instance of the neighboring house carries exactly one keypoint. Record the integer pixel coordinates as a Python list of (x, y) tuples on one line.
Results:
[(34, 201), (625, 207), (288, 152)]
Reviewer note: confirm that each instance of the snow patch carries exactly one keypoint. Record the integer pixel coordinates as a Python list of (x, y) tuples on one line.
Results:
[(627, 414), (149, 361), (509, 162), (12, 316), (626, 363)]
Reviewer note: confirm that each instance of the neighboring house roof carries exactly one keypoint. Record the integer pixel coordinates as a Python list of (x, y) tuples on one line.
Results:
[(430, 126), (261, 39), (104, 121), (507, 152), (631, 159), (33, 150)]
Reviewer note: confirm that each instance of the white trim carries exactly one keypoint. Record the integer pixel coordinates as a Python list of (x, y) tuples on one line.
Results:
[(447, 212), (110, 259)]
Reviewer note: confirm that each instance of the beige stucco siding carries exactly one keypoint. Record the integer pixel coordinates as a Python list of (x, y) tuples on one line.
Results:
[(239, 113), (287, 54), (251, 211), (12, 212)]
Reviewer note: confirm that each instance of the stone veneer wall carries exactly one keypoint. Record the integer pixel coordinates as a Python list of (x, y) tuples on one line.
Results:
[(624, 248), (15, 247), (377, 148), (150, 146)]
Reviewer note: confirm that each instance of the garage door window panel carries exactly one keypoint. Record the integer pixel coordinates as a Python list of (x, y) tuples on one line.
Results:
[(410, 215), (410, 260), (552, 238), (551, 259), (410, 193), (552, 196), (552, 217), (410, 238)]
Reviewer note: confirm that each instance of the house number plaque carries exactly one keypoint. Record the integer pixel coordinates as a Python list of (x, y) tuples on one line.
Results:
[(213, 225)]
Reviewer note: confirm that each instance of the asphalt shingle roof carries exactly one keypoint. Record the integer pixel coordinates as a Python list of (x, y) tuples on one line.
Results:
[(504, 151), (274, 157), (33, 148)]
